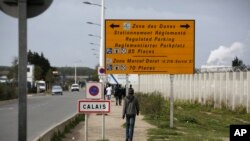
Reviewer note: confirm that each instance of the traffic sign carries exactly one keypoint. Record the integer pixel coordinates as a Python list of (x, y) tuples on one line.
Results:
[(94, 90), (149, 46), (34, 7), (93, 106), (101, 71)]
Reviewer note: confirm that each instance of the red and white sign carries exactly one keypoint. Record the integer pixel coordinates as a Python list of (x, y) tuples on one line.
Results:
[(94, 90), (93, 106), (101, 71)]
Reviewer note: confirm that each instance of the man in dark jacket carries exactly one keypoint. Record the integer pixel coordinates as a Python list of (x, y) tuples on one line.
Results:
[(118, 95), (130, 110)]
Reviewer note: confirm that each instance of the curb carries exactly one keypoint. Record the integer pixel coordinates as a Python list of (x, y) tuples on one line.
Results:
[(8, 101), (48, 134), (3, 102)]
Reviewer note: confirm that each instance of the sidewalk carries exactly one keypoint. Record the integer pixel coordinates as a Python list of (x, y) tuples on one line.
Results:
[(114, 130)]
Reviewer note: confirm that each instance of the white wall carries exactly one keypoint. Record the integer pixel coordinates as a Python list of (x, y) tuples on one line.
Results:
[(31, 74), (229, 88)]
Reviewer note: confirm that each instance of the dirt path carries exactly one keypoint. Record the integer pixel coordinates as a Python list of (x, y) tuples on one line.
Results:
[(114, 127)]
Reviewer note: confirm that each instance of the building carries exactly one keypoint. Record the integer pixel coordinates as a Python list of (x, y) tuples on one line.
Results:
[(208, 68), (30, 75)]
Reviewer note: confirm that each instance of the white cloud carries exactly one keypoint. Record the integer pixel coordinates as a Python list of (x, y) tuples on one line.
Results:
[(224, 55)]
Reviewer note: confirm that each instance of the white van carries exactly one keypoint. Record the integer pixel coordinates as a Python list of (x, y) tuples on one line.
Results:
[(41, 85), (75, 87)]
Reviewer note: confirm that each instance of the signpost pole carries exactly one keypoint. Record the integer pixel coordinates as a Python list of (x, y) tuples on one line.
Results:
[(18, 8), (103, 126), (22, 71), (171, 99), (127, 84), (103, 114), (102, 58), (86, 127), (139, 83)]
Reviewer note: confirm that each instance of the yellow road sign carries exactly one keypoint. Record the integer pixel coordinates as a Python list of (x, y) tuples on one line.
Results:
[(149, 46)]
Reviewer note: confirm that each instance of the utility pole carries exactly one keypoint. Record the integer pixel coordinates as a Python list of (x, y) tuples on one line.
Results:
[(22, 70)]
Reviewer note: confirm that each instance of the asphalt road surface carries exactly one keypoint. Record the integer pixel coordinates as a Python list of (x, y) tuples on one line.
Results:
[(44, 112)]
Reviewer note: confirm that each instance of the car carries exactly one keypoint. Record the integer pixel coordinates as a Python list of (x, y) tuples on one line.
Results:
[(57, 89), (75, 87)]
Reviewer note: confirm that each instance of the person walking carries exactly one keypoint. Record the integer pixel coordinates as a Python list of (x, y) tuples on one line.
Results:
[(105, 92), (109, 92), (130, 110), (118, 95)]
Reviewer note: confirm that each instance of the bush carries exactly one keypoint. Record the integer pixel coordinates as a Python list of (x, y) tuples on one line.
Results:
[(57, 136), (240, 109), (152, 104), (7, 92), (32, 90)]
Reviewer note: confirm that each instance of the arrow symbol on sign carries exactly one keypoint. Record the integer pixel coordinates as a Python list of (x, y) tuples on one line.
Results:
[(114, 25), (185, 26)]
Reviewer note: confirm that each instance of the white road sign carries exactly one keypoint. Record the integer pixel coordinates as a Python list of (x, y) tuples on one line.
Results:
[(93, 106)]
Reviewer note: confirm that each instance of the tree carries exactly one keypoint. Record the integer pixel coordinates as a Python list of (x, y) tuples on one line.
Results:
[(50, 78), (238, 64), (95, 76), (13, 73), (38, 73), (42, 64)]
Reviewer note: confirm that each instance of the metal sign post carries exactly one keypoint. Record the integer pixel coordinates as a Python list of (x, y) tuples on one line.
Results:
[(86, 127), (23, 9), (103, 115), (127, 83), (93, 106), (103, 79), (171, 100), (22, 70)]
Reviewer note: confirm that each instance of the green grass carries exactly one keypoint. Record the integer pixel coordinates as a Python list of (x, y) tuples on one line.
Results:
[(57, 136), (193, 122)]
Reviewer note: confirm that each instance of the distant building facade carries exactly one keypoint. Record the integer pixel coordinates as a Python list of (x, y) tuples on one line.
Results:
[(31, 75)]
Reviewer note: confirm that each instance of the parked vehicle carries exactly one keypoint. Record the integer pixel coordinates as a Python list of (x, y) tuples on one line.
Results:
[(57, 89), (41, 85), (75, 87)]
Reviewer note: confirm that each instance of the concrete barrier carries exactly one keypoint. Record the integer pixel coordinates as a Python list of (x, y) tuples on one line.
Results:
[(47, 135)]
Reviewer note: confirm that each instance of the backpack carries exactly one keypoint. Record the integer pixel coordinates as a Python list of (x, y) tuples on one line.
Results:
[(130, 91)]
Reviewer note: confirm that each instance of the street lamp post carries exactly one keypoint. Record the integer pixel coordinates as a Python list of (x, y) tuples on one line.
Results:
[(89, 3), (101, 61), (95, 44), (95, 36), (102, 35), (93, 23), (75, 73), (102, 50)]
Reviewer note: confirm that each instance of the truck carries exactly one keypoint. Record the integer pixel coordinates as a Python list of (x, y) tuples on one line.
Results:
[(41, 86)]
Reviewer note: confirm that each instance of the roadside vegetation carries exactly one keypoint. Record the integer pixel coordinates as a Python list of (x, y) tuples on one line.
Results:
[(59, 135), (7, 92), (42, 71), (192, 121)]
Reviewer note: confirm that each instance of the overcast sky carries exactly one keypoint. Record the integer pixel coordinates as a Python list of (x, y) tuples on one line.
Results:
[(222, 29)]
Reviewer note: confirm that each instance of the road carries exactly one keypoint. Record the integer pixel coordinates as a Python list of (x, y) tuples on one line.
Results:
[(44, 112)]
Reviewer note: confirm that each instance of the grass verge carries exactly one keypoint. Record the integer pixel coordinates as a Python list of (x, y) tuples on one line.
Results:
[(192, 121), (59, 135)]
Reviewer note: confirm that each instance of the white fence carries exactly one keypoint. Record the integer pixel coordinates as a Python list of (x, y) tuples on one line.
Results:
[(228, 88)]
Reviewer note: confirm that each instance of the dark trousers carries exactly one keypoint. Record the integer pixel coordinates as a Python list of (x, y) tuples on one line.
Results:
[(130, 124), (118, 100)]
